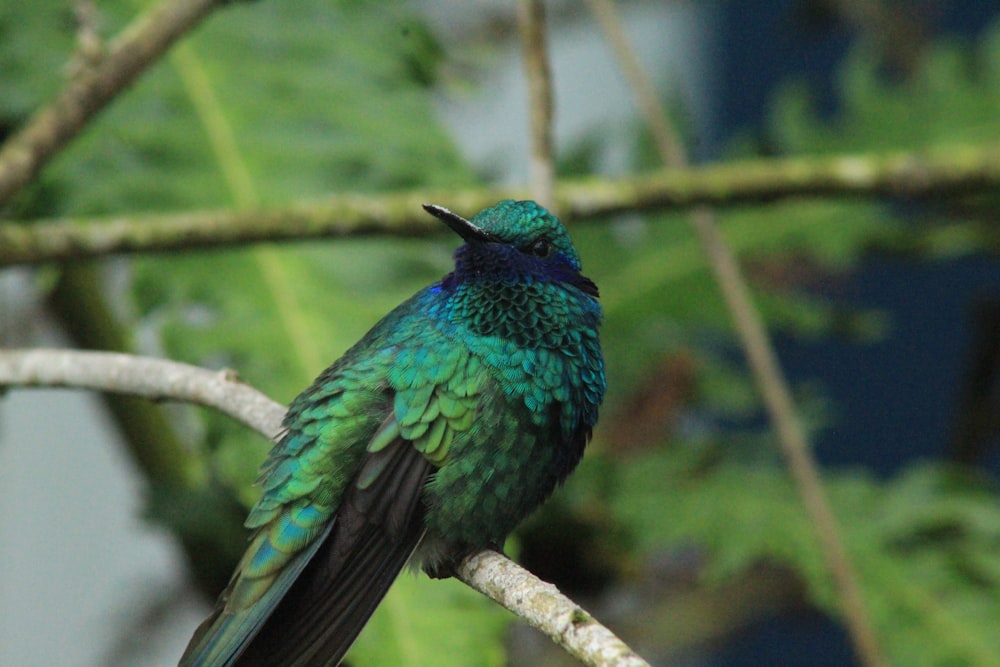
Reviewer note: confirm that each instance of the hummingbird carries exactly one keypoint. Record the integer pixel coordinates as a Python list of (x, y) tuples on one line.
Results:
[(429, 440)]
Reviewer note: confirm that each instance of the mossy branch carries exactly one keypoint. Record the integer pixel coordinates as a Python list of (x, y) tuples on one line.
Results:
[(937, 171)]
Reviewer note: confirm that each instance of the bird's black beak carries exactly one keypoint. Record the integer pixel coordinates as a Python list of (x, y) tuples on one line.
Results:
[(459, 225)]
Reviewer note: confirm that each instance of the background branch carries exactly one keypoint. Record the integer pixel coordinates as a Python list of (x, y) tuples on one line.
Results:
[(767, 373), (938, 171), (78, 300), (92, 86), (538, 603)]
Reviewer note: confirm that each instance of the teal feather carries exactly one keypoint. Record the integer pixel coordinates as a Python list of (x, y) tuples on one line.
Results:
[(437, 433)]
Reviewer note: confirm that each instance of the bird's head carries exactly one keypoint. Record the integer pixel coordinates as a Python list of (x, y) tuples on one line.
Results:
[(514, 240)]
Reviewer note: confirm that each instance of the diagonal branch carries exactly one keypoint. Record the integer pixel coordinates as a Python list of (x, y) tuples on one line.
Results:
[(759, 350), (93, 86), (542, 606), (538, 603)]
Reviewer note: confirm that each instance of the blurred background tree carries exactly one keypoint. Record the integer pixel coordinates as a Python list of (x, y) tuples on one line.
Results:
[(681, 530)]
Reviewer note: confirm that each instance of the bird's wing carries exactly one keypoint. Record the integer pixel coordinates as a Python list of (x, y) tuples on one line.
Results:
[(376, 529), (379, 522), (333, 529), (341, 510)]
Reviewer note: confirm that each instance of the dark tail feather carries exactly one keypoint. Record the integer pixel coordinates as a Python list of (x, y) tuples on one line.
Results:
[(376, 530), (322, 614)]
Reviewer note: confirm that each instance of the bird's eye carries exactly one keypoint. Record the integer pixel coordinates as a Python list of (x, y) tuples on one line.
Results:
[(540, 248)]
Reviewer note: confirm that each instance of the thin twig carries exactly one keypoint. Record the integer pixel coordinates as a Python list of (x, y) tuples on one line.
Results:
[(536, 602), (89, 49), (531, 22), (93, 86), (667, 143), (760, 353), (939, 171), (773, 386)]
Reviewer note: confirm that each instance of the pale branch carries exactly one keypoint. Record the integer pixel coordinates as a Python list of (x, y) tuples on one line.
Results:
[(531, 25), (92, 86), (938, 171), (538, 603), (761, 357), (155, 379), (544, 607)]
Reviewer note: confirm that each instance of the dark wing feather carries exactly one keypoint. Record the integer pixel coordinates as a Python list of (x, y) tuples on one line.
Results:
[(222, 637), (376, 529)]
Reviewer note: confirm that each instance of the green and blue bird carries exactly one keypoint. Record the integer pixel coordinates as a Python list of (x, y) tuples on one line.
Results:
[(431, 438)]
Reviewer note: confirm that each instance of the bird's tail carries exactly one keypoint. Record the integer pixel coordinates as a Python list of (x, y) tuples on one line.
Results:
[(311, 613), (329, 604)]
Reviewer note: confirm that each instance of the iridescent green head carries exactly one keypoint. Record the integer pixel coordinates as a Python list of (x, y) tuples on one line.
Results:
[(515, 238)]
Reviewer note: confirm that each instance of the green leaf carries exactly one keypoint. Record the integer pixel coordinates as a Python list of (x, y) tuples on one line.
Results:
[(36, 42), (924, 544), (465, 626)]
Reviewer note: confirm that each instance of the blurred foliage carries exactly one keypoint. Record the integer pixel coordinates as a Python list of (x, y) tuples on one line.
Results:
[(925, 543), (277, 102), (304, 107)]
